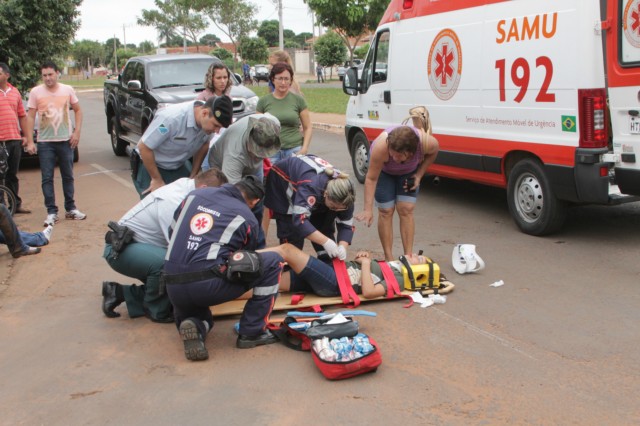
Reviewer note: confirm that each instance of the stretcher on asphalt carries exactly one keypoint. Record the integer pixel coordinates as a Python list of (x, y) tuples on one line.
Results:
[(297, 301)]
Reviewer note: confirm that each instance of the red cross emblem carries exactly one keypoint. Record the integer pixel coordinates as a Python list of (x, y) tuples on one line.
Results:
[(631, 22), (201, 223), (444, 67)]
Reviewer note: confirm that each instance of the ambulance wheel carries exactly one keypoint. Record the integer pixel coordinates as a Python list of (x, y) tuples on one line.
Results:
[(118, 145), (360, 156), (532, 203)]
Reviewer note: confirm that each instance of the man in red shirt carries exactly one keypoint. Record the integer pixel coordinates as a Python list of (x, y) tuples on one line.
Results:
[(11, 113)]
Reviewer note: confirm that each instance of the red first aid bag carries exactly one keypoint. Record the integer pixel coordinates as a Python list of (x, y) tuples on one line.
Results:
[(338, 370)]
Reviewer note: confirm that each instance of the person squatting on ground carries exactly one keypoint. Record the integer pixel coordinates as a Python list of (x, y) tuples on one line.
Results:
[(311, 275), (143, 257), (217, 82), (309, 199), (241, 149), (399, 159), (177, 133), (12, 113), (210, 226), (57, 139), (21, 243)]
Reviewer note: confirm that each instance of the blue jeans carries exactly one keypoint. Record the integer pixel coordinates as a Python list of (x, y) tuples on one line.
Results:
[(14, 149), (31, 239), (284, 153), (317, 277), (49, 152)]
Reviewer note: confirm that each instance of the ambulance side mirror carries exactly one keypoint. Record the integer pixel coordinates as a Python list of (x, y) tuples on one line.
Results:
[(350, 82)]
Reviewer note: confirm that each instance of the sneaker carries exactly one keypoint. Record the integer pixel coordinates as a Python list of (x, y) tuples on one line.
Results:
[(47, 232), (27, 252), (75, 214), (51, 219), (194, 348), (246, 342)]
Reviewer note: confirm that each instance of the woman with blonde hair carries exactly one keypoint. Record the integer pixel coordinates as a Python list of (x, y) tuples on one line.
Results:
[(399, 158), (310, 199), (282, 56)]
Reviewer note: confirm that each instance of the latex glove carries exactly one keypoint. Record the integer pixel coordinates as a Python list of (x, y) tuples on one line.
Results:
[(331, 248), (342, 252)]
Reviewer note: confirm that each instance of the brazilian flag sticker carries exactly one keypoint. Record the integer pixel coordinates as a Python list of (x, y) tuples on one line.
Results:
[(569, 123)]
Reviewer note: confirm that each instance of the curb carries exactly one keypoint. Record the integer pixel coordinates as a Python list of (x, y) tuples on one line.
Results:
[(333, 128)]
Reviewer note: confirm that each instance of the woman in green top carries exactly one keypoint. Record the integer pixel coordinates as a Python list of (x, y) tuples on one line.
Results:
[(290, 109)]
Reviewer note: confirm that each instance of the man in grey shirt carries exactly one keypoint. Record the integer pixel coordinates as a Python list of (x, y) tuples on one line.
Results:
[(241, 150)]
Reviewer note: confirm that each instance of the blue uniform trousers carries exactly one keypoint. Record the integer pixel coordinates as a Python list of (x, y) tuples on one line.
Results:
[(192, 300)]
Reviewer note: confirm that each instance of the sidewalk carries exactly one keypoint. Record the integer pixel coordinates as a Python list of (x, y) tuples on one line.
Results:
[(333, 123)]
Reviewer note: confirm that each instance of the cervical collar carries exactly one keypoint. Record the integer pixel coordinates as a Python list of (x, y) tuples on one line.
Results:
[(465, 259)]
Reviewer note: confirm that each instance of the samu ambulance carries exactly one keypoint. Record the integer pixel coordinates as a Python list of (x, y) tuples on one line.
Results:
[(541, 97)]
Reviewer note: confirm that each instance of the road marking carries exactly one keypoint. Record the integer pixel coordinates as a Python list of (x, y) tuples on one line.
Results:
[(500, 340), (113, 176)]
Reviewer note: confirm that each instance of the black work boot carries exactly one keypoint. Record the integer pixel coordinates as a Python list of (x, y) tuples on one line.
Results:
[(112, 296), (194, 348), (246, 342)]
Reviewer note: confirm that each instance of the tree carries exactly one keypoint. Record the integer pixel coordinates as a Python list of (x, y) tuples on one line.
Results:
[(233, 18), (330, 50), (88, 53), (174, 14), (34, 32), (209, 39), (222, 54), (269, 31), (361, 51), (302, 38), (254, 49), (356, 17), (146, 47), (123, 57)]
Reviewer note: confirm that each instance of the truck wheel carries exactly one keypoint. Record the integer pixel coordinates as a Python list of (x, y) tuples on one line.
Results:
[(532, 203), (119, 145), (360, 156)]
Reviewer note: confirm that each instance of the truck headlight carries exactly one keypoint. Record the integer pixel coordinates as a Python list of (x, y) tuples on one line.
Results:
[(251, 103)]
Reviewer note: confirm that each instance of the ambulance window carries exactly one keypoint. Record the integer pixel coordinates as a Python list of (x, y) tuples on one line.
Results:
[(381, 58), (628, 35)]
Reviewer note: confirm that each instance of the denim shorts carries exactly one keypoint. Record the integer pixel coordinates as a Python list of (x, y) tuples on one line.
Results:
[(317, 277), (390, 190)]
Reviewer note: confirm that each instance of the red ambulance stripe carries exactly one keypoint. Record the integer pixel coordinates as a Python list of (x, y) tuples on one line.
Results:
[(549, 154), (423, 8)]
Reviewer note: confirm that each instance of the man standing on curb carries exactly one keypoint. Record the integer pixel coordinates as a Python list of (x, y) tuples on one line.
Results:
[(56, 137), (11, 113)]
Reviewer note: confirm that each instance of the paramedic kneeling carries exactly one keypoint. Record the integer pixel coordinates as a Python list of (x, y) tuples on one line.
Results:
[(210, 226)]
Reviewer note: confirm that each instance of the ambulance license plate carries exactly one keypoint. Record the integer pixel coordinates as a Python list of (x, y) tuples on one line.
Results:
[(634, 125)]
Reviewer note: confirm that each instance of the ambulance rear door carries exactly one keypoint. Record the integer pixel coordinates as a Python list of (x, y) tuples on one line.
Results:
[(623, 75)]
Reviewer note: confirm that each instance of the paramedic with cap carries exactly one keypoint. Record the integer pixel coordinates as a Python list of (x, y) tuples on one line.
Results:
[(177, 133), (211, 224), (240, 151)]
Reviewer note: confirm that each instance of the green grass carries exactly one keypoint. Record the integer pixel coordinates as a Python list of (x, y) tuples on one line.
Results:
[(319, 99), (79, 82)]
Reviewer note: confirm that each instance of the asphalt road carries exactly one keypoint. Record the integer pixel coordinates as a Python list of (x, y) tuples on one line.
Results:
[(557, 344)]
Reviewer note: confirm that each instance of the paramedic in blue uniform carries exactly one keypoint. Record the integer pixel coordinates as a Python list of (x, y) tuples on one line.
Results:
[(211, 224), (310, 199), (176, 134)]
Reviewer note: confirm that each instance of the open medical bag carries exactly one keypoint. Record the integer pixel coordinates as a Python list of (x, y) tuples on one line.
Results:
[(339, 350)]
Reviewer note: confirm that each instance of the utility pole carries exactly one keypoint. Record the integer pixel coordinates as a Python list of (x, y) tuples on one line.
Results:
[(281, 28), (115, 54), (124, 36)]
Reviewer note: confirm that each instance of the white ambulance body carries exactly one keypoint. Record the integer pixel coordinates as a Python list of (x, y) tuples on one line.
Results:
[(517, 91)]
